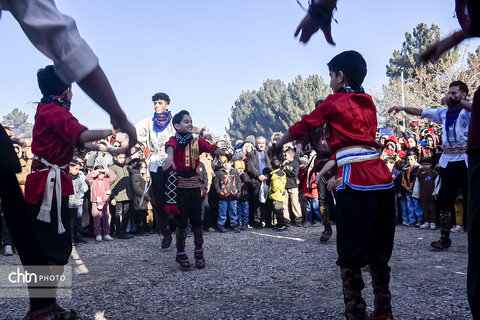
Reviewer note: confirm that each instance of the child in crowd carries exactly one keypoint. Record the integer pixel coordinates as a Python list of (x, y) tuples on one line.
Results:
[(302, 178), (426, 180), (310, 193), (56, 134), (122, 194), (228, 184), (100, 181), (244, 194), (276, 193), (291, 166), (409, 172), (140, 195), (186, 202), (390, 162), (75, 201)]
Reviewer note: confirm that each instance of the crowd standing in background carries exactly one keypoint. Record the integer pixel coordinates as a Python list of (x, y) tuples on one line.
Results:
[(180, 190)]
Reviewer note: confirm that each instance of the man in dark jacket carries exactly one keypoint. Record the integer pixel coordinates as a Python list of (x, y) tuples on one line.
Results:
[(258, 162)]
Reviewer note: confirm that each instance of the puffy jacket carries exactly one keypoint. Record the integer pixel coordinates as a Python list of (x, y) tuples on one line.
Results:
[(138, 187), (99, 187), (247, 187), (227, 184), (80, 186), (278, 181)]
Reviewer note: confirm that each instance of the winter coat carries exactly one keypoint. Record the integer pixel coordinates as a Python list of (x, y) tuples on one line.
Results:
[(138, 188), (227, 184), (98, 188), (291, 170), (95, 158), (278, 181), (408, 178), (252, 165), (80, 186), (247, 187), (122, 187)]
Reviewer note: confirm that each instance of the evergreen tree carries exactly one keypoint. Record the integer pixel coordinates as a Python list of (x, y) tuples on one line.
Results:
[(408, 57), (17, 120), (274, 106), (424, 84)]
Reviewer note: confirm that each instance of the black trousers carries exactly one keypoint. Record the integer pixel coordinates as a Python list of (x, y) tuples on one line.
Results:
[(17, 217), (160, 218), (454, 178), (123, 215), (189, 202), (473, 229), (5, 233), (258, 212), (365, 227)]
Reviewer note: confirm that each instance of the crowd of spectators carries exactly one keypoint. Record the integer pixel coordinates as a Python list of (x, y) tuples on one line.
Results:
[(252, 189)]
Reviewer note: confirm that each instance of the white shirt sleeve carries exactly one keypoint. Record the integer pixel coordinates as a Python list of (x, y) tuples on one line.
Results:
[(55, 35), (433, 114), (142, 131)]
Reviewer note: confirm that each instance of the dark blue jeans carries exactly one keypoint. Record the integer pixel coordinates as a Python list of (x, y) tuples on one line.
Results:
[(231, 206)]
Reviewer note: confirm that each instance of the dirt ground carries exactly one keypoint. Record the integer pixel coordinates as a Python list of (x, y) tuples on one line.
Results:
[(257, 274)]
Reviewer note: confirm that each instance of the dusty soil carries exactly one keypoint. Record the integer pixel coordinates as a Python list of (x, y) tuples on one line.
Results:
[(257, 274)]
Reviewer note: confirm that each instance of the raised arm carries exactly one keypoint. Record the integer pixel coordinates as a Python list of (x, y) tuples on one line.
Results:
[(409, 110), (56, 35)]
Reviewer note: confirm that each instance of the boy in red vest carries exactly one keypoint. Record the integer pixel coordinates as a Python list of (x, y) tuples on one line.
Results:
[(184, 197), (56, 134), (365, 195)]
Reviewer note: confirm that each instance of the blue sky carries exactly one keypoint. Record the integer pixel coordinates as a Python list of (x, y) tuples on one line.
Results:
[(205, 53)]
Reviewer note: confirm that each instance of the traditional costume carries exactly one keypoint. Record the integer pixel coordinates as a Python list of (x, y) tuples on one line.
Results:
[(185, 200), (453, 164), (55, 137), (365, 196)]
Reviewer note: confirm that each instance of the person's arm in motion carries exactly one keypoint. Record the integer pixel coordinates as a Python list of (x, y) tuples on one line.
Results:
[(319, 16), (409, 110), (56, 35)]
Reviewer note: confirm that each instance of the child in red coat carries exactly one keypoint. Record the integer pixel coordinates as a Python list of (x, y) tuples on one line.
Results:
[(100, 180)]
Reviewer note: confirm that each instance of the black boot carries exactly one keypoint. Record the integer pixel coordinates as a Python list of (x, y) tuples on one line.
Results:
[(198, 239), (355, 306), (181, 257), (327, 233), (445, 217), (167, 238), (381, 290)]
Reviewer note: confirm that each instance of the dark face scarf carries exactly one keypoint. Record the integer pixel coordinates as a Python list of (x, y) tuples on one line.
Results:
[(349, 89), (161, 120), (58, 100), (183, 138)]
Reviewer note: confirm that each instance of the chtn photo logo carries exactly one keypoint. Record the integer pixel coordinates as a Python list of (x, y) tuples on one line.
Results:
[(23, 276)]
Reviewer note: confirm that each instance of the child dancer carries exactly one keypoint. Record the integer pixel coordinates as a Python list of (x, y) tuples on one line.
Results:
[(100, 180), (365, 194), (183, 156), (56, 134)]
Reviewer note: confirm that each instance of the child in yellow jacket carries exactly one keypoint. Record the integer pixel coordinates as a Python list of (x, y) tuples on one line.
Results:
[(276, 193)]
